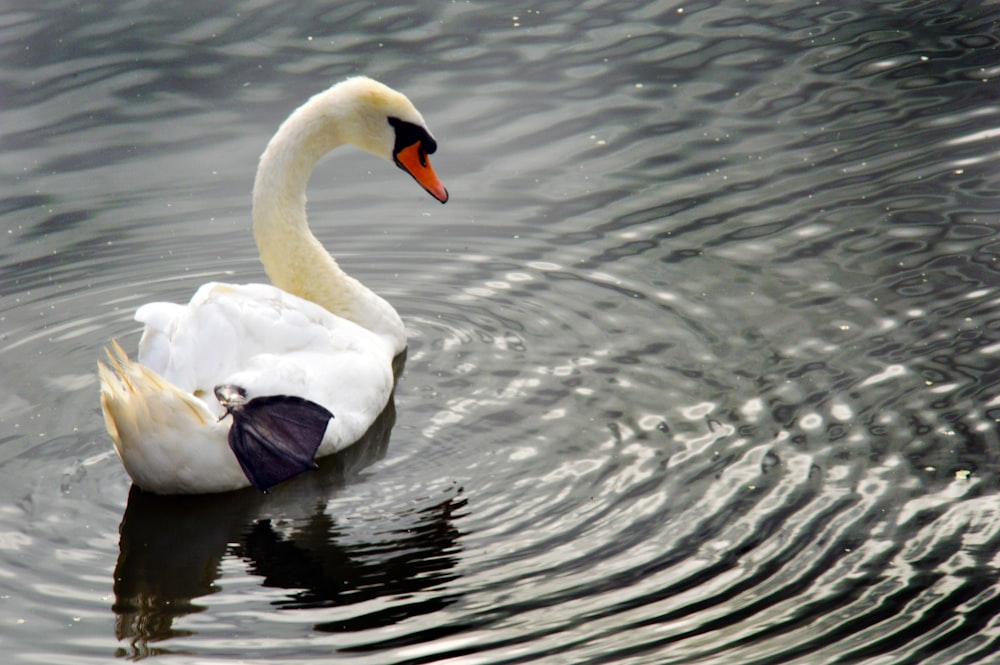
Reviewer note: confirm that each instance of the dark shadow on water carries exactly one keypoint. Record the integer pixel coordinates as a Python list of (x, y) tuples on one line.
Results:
[(418, 554), (171, 549)]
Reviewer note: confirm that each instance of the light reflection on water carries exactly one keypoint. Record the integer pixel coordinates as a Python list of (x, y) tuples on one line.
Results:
[(702, 362)]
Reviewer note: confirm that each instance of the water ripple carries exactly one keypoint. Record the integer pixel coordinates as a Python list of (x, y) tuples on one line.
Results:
[(702, 351)]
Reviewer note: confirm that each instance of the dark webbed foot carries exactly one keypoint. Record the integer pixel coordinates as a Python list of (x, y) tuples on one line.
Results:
[(273, 437)]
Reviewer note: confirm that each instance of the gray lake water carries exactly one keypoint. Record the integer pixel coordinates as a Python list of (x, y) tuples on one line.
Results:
[(704, 360)]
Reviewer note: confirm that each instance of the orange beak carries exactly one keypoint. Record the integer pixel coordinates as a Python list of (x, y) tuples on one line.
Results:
[(413, 160)]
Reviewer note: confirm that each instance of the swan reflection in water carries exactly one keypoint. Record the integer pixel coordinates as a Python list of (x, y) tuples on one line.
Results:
[(172, 548)]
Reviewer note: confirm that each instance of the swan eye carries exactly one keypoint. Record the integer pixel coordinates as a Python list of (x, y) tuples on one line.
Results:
[(408, 134)]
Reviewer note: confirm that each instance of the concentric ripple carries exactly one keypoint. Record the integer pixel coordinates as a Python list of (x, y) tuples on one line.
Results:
[(703, 349)]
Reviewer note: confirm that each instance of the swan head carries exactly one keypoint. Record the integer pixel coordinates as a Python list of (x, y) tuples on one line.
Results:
[(374, 117)]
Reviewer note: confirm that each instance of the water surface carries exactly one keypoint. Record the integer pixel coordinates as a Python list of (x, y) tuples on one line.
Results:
[(703, 361)]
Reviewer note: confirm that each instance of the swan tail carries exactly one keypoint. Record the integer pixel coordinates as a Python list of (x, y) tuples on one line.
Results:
[(163, 435), (132, 394)]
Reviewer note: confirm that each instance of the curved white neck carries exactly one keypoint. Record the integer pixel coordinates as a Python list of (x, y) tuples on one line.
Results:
[(293, 258)]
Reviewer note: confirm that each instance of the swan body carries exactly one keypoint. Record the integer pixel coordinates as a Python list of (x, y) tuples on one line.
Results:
[(315, 335)]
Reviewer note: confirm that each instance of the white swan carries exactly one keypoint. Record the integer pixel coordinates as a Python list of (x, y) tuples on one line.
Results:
[(318, 337)]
